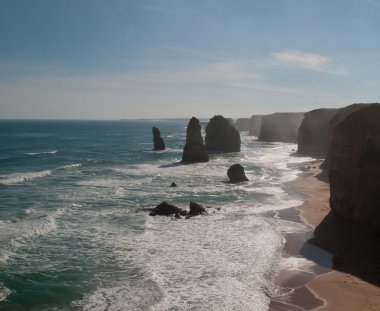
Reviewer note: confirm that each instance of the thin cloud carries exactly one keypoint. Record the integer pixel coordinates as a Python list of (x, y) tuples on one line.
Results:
[(310, 61)]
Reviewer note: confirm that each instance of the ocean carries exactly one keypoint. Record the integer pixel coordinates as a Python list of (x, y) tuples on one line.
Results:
[(75, 233)]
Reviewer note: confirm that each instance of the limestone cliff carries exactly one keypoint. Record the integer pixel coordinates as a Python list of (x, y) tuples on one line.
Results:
[(255, 125), (194, 150), (335, 120), (280, 127), (355, 168), (313, 132), (221, 136)]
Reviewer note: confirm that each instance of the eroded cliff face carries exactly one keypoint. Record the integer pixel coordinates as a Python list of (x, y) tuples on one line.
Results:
[(355, 168), (221, 136), (280, 127), (255, 125), (194, 150), (313, 132), (335, 120), (242, 124)]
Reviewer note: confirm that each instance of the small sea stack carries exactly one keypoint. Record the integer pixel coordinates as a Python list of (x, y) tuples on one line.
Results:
[(166, 209), (236, 173), (196, 209), (194, 150), (221, 136), (159, 143)]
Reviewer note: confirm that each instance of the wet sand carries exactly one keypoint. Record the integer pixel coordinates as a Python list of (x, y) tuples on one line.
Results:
[(346, 274)]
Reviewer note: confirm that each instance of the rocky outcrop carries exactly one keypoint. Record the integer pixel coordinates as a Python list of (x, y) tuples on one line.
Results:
[(255, 125), (166, 209), (339, 117), (313, 132), (221, 136), (157, 139), (280, 127), (236, 173), (242, 124), (355, 168), (196, 209), (194, 150)]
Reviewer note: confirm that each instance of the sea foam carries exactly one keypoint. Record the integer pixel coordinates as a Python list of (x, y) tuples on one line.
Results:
[(16, 178)]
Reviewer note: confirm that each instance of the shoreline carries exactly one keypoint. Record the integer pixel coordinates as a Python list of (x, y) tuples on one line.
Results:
[(321, 287)]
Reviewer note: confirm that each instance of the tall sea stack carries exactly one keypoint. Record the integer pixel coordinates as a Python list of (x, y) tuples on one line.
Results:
[(355, 168), (313, 132), (281, 127), (194, 150), (255, 125), (157, 139), (221, 136)]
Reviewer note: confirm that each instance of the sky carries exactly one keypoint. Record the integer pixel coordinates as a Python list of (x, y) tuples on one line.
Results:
[(127, 59)]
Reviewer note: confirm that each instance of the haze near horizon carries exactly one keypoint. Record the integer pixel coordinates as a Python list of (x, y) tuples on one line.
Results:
[(125, 59)]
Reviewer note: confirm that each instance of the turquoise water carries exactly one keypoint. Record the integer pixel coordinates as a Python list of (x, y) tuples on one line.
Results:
[(74, 234)]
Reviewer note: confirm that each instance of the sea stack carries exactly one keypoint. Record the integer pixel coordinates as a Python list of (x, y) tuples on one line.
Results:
[(281, 127), (313, 132), (221, 136), (236, 173), (194, 150), (355, 168), (255, 125), (157, 139), (242, 124)]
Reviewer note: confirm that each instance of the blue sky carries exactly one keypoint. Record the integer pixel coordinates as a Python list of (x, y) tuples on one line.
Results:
[(112, 59)]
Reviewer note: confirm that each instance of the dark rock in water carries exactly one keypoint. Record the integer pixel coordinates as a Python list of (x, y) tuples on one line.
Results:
[(355, 168), (194, 150), (255, 125), (166, 209), (221, 136), (335, 120), (281, 127), (196, 209), (236, 173), (173, 184), (157, 139), (313, 132), (242, 124)]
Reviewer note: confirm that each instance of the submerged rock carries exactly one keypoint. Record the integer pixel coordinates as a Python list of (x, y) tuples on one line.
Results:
[(236, 173), (281, 127), (355, 168), (166, 209), (194, 150), (157, 139), (313, 132), (196, 209), (173, 184), (222, 136)]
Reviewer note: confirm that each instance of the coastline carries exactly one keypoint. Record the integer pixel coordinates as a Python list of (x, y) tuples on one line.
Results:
[(323, 287)]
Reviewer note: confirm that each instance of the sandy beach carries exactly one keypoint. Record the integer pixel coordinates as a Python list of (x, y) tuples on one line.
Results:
[(346, 275)]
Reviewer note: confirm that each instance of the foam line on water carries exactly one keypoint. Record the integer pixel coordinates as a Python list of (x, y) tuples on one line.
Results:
[(43, 152), (16, 178)]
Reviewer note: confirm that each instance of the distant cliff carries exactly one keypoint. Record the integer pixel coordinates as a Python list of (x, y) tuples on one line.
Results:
[(255, 125), (221, 136), (242, 124), (355, 168), (335, 120), (281, 127), (313, 132)]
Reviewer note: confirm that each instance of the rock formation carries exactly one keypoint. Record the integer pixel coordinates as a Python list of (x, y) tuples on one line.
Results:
[(194, 150), (313, 132), (166, 209), (339, 117), (280, 127), (255, 125), (173, 184), (236, 173), (221, 136), (157, 139), (196, 209), (355, 168), (242, 124)]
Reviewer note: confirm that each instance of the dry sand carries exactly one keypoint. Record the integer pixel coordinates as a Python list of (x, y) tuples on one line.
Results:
[(355, 287)]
